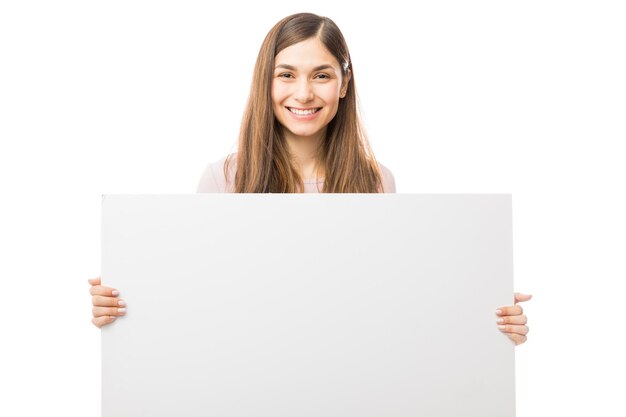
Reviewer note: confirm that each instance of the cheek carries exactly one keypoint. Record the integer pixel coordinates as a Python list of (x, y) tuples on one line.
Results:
[(329, 93), (279, 93)]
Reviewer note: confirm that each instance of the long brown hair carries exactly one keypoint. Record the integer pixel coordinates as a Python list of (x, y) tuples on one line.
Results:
[(264, 163)]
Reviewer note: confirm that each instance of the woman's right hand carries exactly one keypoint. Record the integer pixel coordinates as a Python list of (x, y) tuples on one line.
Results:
[(107, 306)]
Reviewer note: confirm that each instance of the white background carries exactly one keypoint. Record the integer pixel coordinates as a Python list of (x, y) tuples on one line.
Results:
[(126, 96)]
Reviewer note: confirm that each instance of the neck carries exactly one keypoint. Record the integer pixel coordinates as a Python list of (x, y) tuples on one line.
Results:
[(306, 154)]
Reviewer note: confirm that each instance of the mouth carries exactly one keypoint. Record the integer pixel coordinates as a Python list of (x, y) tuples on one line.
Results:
[(304, 112)]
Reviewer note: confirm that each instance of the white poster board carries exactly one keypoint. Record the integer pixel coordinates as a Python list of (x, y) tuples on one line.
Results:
[(308, 305)]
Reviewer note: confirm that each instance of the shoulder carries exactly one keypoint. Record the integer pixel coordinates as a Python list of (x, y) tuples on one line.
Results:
[(213, 179), (389, 182)]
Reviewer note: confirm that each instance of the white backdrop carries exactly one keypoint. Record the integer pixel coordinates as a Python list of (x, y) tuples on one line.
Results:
[(134, 96)]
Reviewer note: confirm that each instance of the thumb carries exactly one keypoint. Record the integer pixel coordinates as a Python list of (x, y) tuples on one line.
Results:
[(94, 281), (522, 297)]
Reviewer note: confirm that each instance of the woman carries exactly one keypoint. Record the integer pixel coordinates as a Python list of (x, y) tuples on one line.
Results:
[(300, 133)]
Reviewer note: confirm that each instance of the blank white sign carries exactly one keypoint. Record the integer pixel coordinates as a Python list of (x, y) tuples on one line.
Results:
[(308, 305)]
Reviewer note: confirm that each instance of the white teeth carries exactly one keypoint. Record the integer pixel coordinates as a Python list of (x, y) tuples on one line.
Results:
[(302, 112)]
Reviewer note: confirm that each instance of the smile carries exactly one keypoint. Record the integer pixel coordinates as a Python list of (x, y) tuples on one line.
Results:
[(303, 112)]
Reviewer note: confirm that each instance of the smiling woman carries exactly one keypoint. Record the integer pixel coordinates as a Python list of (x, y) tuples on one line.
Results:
[(301, 124), (305, 97), (301, 132)]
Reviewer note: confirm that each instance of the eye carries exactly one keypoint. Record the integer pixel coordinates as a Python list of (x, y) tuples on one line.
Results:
[(285, 75), (323, 76)]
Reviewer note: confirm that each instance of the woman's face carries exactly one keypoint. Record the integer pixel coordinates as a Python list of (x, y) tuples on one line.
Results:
[(306, 88)]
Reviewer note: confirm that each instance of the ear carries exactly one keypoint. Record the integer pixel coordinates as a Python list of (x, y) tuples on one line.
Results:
[(344, 84)]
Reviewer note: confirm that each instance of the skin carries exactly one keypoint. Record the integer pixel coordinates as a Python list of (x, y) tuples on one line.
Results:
[(301, 82), (107, 307), (512, 322), (306, 76)]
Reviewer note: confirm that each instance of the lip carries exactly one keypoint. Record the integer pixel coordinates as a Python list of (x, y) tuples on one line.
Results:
[(303, 117)]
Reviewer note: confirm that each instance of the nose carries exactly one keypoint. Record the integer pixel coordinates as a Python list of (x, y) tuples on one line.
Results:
[(303, 92)]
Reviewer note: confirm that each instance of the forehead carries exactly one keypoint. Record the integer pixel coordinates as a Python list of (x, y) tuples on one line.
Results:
[(306, 54)]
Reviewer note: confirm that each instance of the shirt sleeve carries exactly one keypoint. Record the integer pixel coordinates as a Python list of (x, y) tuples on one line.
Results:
[(389, 182), (208, 182)]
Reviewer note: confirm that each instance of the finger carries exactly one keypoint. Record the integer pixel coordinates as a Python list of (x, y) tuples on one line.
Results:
[(522, 319), (518, 339), (514, 329), (519, 297), (94, 281), (106, 291), (101, 321), (515, 310), (108, 311), (101, 301)]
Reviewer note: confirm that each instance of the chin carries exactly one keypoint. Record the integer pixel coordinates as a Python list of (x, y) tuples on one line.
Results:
[(304, 133)]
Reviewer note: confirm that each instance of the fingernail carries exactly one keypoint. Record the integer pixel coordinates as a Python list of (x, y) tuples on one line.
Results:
[(121, 310), (498, 312), (500, 320), (115, 292), (501, 327), (121, 303)]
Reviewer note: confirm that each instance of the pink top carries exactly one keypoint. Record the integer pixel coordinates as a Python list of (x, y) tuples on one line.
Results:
[(213, 181)]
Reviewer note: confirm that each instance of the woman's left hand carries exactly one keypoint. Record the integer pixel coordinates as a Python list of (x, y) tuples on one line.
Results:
[(512, 321)]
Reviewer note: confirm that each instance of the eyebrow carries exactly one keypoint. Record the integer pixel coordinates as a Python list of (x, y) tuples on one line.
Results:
[(292, 68)]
